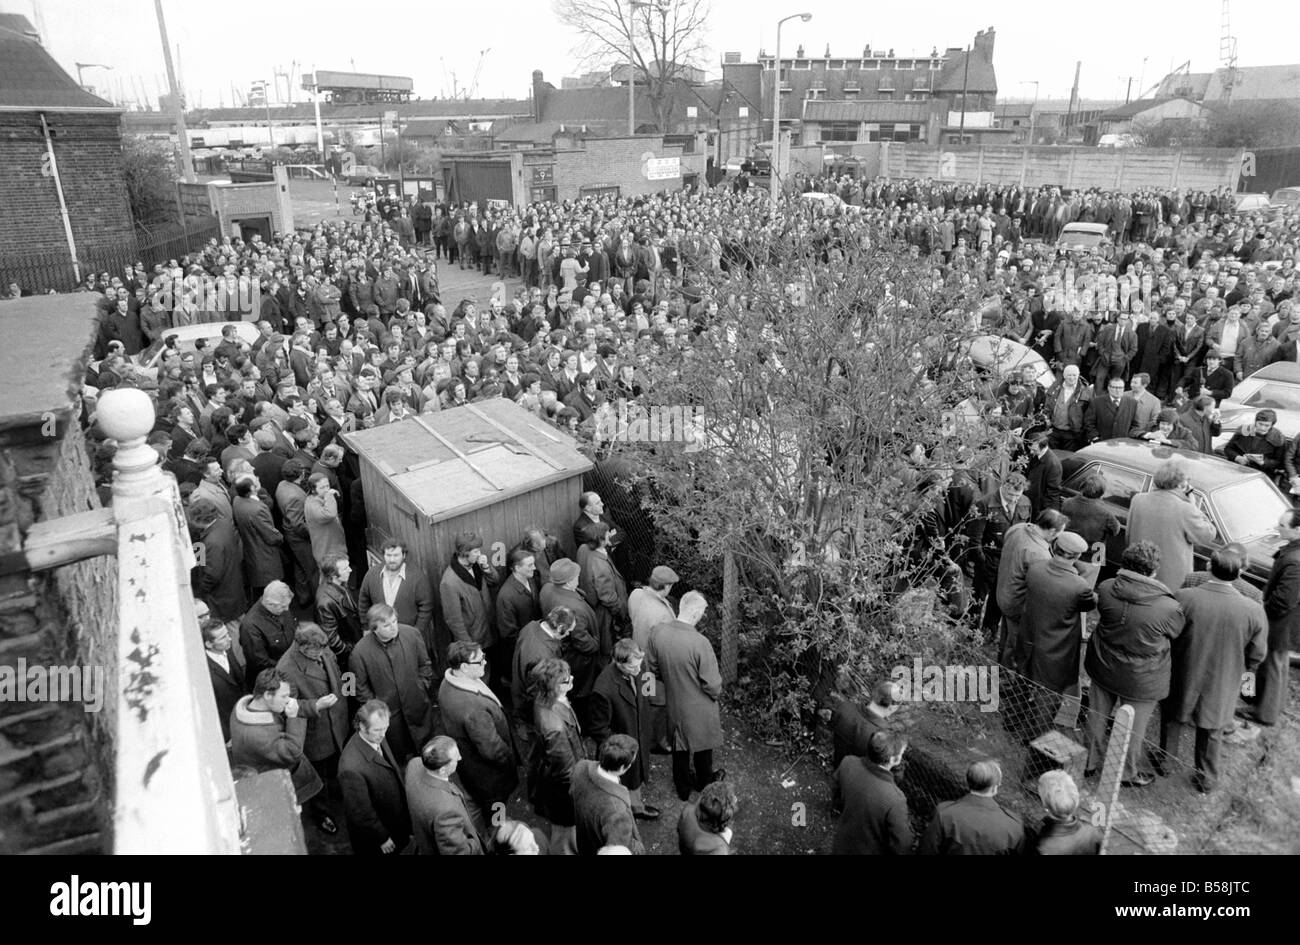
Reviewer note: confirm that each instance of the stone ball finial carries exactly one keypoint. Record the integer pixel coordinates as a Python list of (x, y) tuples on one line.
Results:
[(125, 414)]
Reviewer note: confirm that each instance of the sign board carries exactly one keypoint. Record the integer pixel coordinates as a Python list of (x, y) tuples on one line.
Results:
[(543, 174), (663, 168)]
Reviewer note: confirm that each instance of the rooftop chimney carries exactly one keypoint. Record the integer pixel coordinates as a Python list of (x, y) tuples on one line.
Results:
[(539, 94), (984, 40)]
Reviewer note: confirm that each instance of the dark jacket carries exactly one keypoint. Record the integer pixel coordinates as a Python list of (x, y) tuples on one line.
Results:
[(265, 741), (602, 812), (440, 818), (337, 613), (516, 606), (309, 680), (399, 674), (374, 798), (973, 826), (694, 840), (219, 576), (619, 706), (1282, 595), (1055, 597), (1071, 837), (1272, 445), (261, 540), (489, 758), (1044, 491), (1090, 519), (414, 601), (265, 637), (1226, 636), (556, 749), (467, 604), (987, 528), (1129, 652), (874, 821), (851, 730), (228, 688)]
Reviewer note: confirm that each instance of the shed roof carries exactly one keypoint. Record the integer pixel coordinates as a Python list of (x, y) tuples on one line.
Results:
[(31, 79), (455, 461)]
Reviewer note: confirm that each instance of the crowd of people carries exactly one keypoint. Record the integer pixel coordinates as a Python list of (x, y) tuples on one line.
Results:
[(550, 661)]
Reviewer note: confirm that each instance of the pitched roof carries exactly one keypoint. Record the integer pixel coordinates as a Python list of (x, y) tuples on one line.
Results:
[(872, 111), (1256, 82), (953, 76), (1133, 109), (31, 79), (529, 132)]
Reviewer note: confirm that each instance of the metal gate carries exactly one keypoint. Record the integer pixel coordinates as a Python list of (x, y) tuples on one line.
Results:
[(480, 181)]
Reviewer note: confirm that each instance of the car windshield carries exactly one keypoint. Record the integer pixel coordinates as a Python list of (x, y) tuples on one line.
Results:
[(1249, 508), (1086, 240), (1277, 396)]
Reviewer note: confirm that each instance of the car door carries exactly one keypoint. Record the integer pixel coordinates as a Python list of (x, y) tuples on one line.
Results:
[(1122, 483), (1201, 553)]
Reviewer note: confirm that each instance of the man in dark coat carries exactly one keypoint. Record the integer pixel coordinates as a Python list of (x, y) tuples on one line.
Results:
[(1056, 596), (852, 727), (1261, 446), (986, 531), (975, 825), (1225, 637), (291, 500), (619, 706), (400, 585), (267, 630), (473, 715), (440, 813), (1100, 421), (336, 608), (374, 799), (229, 681), (465, 592), (1062, 833), (602, 808), (539, 640), (261, 539), (874, 817), (1282, 606), (392, 665), (218, 575), (581, 648), (1043, 476), (517, 604), (604, 587)]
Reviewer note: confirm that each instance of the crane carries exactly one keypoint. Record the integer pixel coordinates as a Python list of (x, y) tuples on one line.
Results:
[(1227, 53), (474, 85)]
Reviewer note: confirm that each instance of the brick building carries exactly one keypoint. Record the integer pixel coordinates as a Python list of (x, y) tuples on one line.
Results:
[(44, 112)]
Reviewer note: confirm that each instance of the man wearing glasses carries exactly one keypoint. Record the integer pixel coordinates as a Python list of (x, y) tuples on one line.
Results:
[(473, 715)]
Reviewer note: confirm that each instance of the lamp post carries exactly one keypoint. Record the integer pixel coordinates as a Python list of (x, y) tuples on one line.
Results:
[(1033, 109), (631, 64), (776, 101)]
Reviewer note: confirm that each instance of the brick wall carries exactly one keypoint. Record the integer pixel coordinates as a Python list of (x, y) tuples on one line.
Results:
[(88, 148), (616, 162), (248, 200)]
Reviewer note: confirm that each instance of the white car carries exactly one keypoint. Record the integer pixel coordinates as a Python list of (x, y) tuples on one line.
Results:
[(1286, 197), (186, 335), (1250, 203), (1275, 386)]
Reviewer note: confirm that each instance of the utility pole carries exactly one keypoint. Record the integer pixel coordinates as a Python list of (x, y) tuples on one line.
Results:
[(965, 76), (1074, 100), (1128, 93), (178, 109)]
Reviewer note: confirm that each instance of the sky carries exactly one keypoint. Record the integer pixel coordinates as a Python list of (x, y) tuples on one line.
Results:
[(251, 39)]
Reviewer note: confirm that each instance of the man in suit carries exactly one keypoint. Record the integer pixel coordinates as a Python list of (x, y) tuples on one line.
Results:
[(392, 665), (1201, 418), (591, 511), (602, 807), (604, 587), (1116, 347), (225, 669), (619, 706), (465, 592), (518, 603), (1139, 410), (684, 661), (1100, 422), (218, 576), (403, 588), (1225, 637), (1043, 476), (260, 537), (874, 818), (852, 726), (266, 631), (473, 715), (975, 825), (440, 816), (374, 800)]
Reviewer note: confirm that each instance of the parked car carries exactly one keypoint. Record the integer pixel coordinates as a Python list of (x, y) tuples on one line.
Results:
[(186, 335), (1276, 386), (1286, 197), (1001, 356), (1250, 203), (1085, 238), (363, 175), (1244, 504)]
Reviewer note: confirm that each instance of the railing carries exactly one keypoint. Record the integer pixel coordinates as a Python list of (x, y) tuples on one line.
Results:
[(52, 270)]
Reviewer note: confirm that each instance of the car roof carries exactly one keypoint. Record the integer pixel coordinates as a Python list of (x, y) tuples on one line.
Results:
[(1278, 371), (1203, 471), (247, 331), (1085, 228)]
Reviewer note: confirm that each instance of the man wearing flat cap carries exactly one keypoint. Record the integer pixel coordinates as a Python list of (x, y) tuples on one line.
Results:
[(1051, 632)]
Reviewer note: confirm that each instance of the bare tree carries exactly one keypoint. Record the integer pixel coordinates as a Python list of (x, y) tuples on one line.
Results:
[(664, 39)]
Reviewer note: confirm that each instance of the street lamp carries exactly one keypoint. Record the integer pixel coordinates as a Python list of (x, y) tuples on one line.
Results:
[(88, 65), (776, 100), (1033, 109), (631, 63)]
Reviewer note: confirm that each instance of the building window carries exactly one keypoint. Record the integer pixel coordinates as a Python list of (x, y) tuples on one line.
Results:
[(743, 111), (895, 132), (836, 64), (839, 131), (692, 111), (785, 74), (598, 191), (936, 64), (803, 64), (885, 93), (851, 94), (960, 139), (907, 64), (916, 97)]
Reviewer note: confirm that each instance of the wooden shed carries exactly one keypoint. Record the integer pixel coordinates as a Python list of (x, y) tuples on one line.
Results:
[(490, 468)]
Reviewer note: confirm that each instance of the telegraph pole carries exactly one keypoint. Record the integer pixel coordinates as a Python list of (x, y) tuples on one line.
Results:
[(178, 109)]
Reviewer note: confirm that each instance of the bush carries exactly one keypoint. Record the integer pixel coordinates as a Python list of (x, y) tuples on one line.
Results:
[(150, 171)]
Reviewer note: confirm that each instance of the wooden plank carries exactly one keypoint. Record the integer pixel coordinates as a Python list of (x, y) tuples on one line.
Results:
[(72, 538), (459, 455), (514, 439)]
